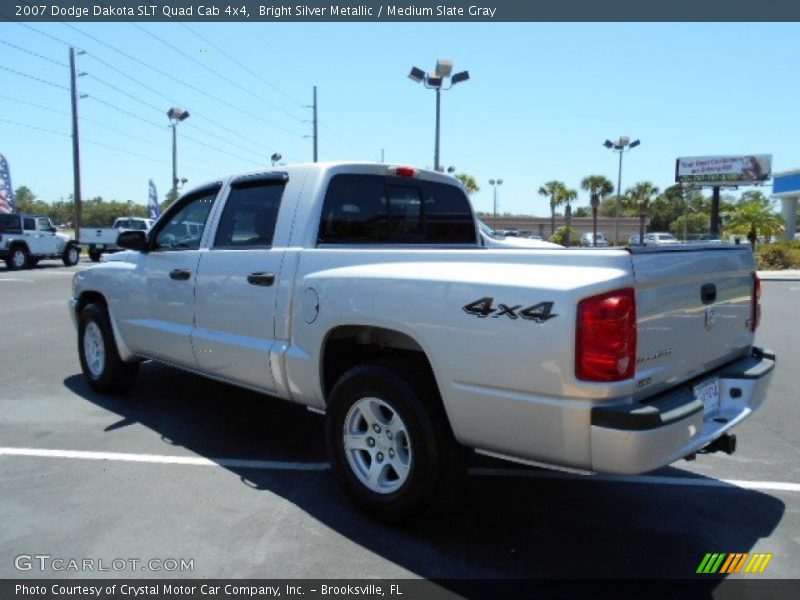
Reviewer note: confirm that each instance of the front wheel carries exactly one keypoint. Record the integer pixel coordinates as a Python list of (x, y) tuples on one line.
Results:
[(71, 255), (389, 441), (100, 362)]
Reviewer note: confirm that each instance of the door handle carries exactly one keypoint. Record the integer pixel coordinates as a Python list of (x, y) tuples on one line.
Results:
[(180, 274), (264, 279)]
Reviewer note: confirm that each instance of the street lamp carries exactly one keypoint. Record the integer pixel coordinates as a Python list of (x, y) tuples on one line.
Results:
[(435, 81), (176, 115), (275, 158), (620, 146), (494, 183)]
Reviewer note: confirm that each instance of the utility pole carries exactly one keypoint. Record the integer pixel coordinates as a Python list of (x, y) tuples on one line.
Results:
[(76, 146), (316, 139)]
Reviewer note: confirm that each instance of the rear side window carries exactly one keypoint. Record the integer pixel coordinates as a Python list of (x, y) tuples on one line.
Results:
[(9, 224), (29, 224), (372, 209), (249, 216)]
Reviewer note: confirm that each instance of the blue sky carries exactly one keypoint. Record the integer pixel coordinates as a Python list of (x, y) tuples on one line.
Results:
[(541, 100)]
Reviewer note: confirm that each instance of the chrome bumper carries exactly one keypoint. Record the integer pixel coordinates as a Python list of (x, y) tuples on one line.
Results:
[(631, 439)]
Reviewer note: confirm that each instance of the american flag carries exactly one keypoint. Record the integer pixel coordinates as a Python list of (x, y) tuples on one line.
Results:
[(6, 191)]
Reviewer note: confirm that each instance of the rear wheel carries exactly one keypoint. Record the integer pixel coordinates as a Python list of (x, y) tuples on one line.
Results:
[(94, 255), (390, 444), (19, 258), (100, 362), (71, 255)]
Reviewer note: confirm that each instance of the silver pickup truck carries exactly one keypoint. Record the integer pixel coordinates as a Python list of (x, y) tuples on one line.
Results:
[(365, 291)]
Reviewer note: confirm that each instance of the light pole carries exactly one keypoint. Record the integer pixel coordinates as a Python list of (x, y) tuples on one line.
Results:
[(275, 158), (620, 146), (176, 115), (494, 183), (435, 81)]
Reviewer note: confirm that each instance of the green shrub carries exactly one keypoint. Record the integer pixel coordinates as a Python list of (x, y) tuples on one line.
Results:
[(777, 256)]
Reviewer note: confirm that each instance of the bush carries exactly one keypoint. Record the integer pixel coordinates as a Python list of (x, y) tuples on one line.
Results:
[(777, 256), (560, 236)]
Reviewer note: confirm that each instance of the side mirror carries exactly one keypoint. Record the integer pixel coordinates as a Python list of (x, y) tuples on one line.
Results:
[(133, 240)]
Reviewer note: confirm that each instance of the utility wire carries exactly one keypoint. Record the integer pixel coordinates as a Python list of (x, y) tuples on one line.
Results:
[(173, 102), (214, 72), (36, 54), (27, 76), (47, 35), (88, 141), (175, 79), (235, 61)]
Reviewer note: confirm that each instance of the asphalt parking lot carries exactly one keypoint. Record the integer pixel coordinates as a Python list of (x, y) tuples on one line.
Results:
[(186, 468)]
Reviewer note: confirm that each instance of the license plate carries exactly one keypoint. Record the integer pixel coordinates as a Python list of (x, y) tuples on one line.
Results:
[(708, 393)]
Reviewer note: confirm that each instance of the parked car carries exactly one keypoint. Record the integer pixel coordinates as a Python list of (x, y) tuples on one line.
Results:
[(587, 239), (27, 239), (335, 286), (654, 239), (495, 240)]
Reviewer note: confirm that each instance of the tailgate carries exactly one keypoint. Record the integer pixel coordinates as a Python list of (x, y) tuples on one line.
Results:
[(693, 307)]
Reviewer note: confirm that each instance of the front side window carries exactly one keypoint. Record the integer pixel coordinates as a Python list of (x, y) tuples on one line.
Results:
[(44, 225), (373, 209), (184, 228), (250, 215)]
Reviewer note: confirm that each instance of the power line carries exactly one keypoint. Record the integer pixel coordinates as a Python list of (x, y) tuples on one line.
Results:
[(214, 72), (175, 79), (27, 76), (88, 141), (235, 61), (36, 54), (173, 102), (47, 35)]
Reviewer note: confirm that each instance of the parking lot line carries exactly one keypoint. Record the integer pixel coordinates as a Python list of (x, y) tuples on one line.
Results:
[(271, 465)]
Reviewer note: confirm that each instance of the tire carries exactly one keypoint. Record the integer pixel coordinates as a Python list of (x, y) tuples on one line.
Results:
[(72, 254), (102, 367), (32, 262), (18, 258), (95, 255), (389, 441)]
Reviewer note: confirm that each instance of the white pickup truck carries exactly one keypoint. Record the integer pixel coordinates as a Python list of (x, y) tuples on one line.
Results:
[(101, 241), (364, 291)]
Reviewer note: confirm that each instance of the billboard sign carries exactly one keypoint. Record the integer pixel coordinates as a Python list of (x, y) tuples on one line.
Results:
[(723, 170)]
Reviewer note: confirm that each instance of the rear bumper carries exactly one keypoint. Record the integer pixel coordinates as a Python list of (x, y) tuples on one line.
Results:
[(630, 439)]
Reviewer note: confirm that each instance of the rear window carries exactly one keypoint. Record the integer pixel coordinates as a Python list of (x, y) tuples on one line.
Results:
[(372, 209), (9, 224)]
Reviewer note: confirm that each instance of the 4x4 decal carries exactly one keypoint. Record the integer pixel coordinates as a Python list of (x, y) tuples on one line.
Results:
[(484, 307)]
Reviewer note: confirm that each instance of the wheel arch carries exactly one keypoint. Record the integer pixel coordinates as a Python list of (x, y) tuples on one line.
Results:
[(346, 346), (87, 297)]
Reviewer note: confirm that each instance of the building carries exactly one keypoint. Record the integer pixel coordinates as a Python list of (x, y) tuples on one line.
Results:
[(628, 226)]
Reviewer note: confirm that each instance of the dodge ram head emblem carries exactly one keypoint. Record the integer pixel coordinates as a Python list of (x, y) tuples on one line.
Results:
[(711, 319)]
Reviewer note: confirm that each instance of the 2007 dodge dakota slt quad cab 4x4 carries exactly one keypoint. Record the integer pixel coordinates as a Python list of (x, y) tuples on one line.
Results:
[(364, 291)]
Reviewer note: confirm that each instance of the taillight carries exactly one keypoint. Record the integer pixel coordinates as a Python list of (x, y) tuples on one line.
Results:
[(605, 341), (755, 304), (403, 171)]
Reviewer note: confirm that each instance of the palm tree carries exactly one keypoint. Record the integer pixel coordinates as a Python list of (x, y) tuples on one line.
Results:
[(640, 196), (469, 182), (555, 191), (754, 216), (568, 195), (598, 186)]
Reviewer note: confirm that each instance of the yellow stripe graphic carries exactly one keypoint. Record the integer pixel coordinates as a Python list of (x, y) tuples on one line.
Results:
[(758, 562)]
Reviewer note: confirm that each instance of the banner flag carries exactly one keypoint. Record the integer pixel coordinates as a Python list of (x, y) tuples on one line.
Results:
[(152, 201), (7, 200)]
